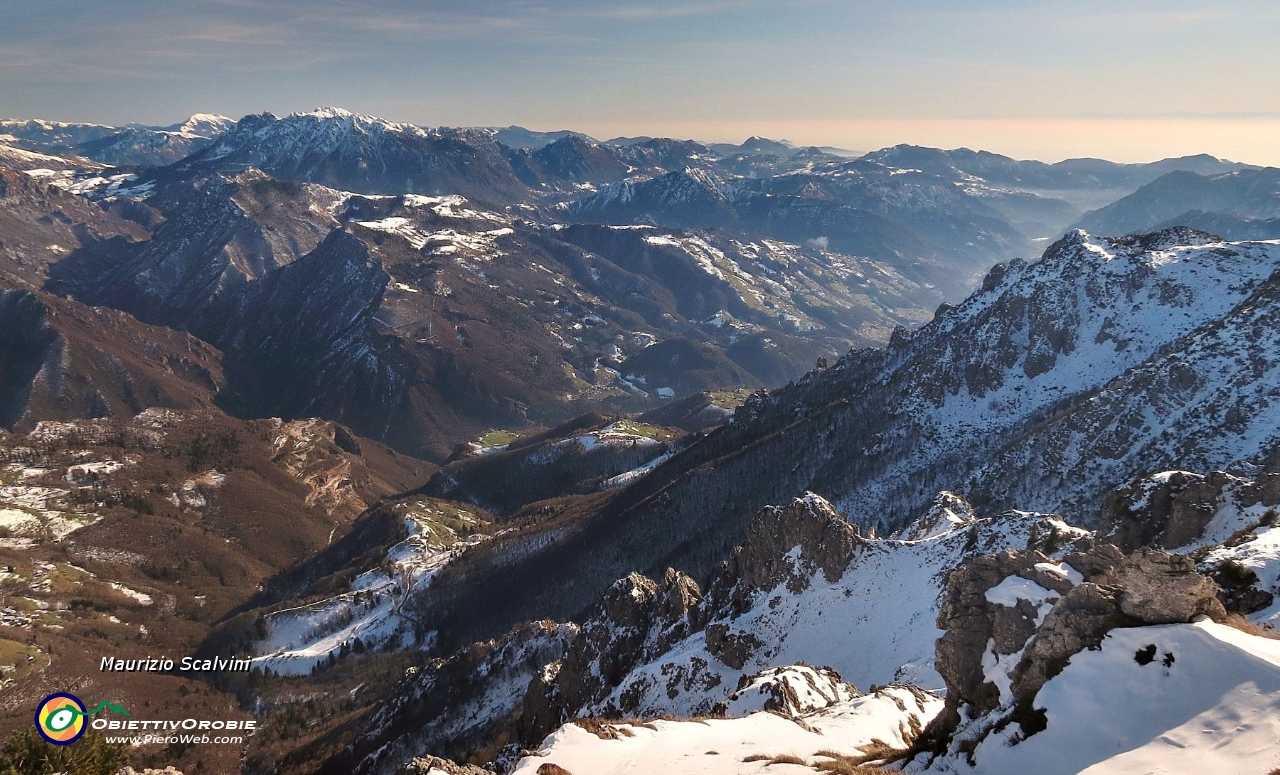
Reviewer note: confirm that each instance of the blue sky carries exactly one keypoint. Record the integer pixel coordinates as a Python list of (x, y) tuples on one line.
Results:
[(1127, 80)]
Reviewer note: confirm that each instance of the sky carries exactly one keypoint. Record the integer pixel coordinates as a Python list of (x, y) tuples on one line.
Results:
[(1129, 81)]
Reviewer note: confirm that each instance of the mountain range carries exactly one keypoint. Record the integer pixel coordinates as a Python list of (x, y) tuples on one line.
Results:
[(544, 454)]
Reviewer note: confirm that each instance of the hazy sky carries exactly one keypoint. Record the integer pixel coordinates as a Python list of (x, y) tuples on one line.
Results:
[(1125, 80)]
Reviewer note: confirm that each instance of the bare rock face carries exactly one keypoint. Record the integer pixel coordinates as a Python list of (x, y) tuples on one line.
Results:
[(792, 691), (434, 765), (1172, 509), (1021, 610), (974, 625), (477, 677), (636, 619), (730, 647), (1166, 512), (1159, 588), (825, 540), (948, 512)]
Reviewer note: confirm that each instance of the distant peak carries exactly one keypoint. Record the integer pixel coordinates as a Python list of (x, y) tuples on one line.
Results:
[(203, 125), (359, 120), (329, 112)]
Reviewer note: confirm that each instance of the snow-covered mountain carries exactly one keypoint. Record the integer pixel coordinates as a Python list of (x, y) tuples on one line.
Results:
[(16, 158), (1213, 709), (1016, 618), (51, 136), (156, 146), (202, 125), (617, 307), (1035, 192), (355, 152), (518, 138), (132, 145), (1057, 382), (881, 559)]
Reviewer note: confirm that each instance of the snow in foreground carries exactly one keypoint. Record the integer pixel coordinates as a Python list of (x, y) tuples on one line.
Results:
[(1208, 701), (712, 746)]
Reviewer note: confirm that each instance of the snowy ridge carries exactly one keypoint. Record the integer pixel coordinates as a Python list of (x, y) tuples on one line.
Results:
[(874, 625), (203, 126), (742, 745), (350, 151), (1176, 698), (688, 186), (289, 141), (374, 611), (20, 159), (1145, 342)]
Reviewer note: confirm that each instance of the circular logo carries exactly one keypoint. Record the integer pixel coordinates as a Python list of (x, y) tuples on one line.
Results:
[(60, 718)]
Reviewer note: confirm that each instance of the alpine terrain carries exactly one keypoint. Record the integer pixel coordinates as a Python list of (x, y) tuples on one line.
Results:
[(497, 451)]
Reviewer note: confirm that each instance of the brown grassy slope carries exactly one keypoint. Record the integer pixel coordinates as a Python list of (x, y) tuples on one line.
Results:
[(202, 511)]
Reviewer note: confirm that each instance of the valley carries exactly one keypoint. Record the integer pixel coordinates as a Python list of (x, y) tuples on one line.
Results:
[(502, 451)]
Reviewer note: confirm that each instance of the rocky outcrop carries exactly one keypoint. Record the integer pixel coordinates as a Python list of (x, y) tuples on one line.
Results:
[(1172, 509), (636, 620), (434, 765), (792, 691), (452, 706), (948, 512), (1166, 511), (787, 544), (976, 626), (1159, 588), (1014, 620)]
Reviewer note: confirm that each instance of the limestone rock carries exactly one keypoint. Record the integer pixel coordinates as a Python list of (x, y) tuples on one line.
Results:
[(434, 765), (1167, 511), (1172, 509), (790, 691), (983, 625), (825, 540), (730, 647), (636, 619), (1159, 588)]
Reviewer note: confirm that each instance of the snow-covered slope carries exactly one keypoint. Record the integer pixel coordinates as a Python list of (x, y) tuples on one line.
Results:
[(875, 623), (1055, 383), (1207, 702), (372, 611), (131, 145), (20, 159), (1230, 524), (51, 136), (758, 743), (203, 125)]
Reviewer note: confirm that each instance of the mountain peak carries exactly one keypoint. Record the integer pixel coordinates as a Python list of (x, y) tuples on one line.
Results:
[(757, 144), (329, 112), (203, 125)]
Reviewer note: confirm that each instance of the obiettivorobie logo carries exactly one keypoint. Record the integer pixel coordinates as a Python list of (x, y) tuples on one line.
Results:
[(62, 718)]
